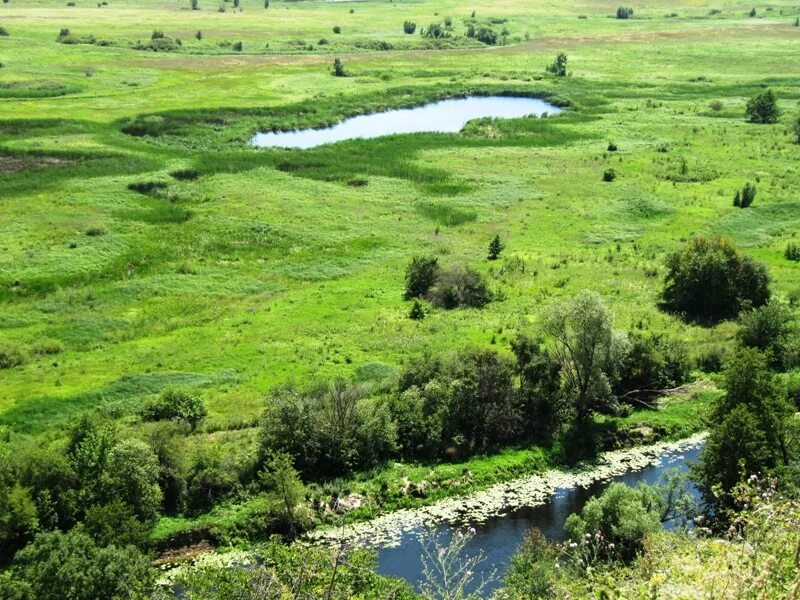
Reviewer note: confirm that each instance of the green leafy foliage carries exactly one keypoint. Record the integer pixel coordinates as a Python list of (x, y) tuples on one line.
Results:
[(763, 108), (708, 280)]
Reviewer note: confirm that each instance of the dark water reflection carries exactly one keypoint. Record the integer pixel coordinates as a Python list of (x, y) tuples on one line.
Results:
[(500, 537), (447, 116)]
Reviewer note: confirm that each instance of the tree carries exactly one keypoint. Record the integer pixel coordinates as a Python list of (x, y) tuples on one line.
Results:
[(482, 411), (195, 4), (587, 347), (266, 4), (539, 390), (622, 515), (286, 494), (559, 66), (767, 329), (749, 432), (132, 475), (338, 68), (624, 13), (753, 12), (421, 274), (708, 281), (198, 35), (70, 566), (532, 573), (763, 108), (495, 248)]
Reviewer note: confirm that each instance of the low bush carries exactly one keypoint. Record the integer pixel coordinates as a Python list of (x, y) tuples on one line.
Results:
[(624, 13), (179, 405), (460, 287), (609, 175), (409, 27), (11, 356), (792, 252)]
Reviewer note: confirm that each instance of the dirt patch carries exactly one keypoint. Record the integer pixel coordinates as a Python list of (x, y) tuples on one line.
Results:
[(183, 554), (15, 164)]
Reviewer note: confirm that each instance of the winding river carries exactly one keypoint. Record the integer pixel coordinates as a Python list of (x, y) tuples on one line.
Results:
[(503, 513), (445, 116)]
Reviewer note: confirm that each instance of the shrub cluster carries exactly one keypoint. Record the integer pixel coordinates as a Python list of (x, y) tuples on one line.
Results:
[(449, 288), (708, 280)]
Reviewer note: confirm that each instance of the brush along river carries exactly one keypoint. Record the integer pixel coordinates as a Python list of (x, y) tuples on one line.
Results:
[(502, 513)]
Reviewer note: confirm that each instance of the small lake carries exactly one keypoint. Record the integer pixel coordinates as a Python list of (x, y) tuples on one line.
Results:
[(446, 116), (499, 537)]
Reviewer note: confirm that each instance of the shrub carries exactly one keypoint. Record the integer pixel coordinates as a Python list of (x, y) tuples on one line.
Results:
[(792, 252), (421, 275), (409, 27), (559, 66), (179, 405), (238, 46), (715, 105), (337, 29), (612, 147), (3, 32), (157, 35), (622, 515), (531, 573), (753, 12), (460, 287), (711, 360), (199, 35), (745, 197), (10, 356), (767, 329), (417, 313), (763, 108), (708, 281), (624, 13), (652, 365), (435, 31), (338, 68), (796, 129), (486, 35), (609, 175), (185, 174), (195, 4)]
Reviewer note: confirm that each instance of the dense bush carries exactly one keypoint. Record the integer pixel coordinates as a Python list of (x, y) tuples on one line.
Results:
[(708, 281), (624, 13), (745, 197), (71, 566), (768, 329), (486, 35), (609, 175), (792, 252), (179, 405), (409, 27), (3, 32), (337, 29), (495, 248), (327, 432), (622, 515), (10, 356), (460, 287), (421, 275), (338, 68), (652, 365), (559, 66), (763, 108), (436, 31)]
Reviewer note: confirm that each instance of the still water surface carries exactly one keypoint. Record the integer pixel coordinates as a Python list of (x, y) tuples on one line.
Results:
[(447, 116)]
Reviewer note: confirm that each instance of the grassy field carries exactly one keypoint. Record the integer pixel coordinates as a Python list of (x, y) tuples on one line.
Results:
[(272, 266)]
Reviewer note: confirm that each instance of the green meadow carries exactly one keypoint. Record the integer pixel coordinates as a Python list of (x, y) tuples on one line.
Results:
[(145, 245)]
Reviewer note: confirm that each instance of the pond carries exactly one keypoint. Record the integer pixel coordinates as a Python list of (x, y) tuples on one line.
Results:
[(446, 116), (499, 537)]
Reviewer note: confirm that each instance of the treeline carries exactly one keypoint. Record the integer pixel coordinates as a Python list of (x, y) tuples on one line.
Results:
[(478, 400)]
